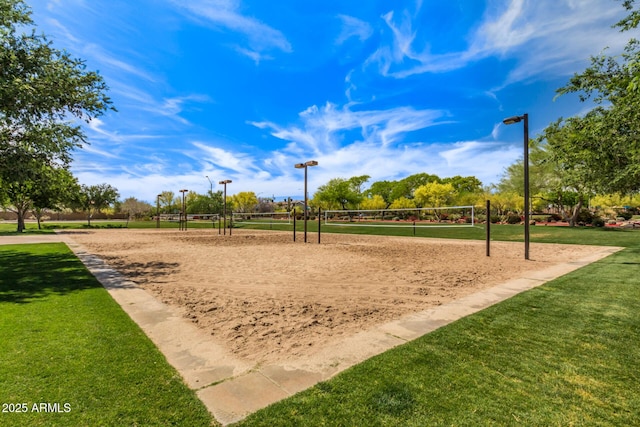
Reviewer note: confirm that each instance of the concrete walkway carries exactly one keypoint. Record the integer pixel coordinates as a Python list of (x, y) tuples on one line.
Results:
[(232, 388)]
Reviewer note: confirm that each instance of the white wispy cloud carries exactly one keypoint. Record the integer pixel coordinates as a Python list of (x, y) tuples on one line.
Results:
[(219, 158), (227, 14), (115, 66), (323, 128), (546, 38), (353, 27)]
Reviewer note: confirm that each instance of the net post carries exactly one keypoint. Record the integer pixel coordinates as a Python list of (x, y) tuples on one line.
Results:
[(319, 222), (414, 228), (294, 226), (488, 228)]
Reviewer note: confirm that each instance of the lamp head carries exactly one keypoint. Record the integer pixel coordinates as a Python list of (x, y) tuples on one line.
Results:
[(512, 120), (299, 165), (312, 163)]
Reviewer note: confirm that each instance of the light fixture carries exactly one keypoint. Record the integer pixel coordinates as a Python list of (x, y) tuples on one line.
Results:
[(510, 121)]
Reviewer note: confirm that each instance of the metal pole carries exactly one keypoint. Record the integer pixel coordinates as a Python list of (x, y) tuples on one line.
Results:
[(509, 121), (488, 228), (319, 223), (526, 186), (158, 211), (294, 225), (305, 203), (224, 218)]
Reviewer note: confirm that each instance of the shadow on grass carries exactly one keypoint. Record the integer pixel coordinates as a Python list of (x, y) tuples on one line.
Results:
[(30, 274), (629, 256)]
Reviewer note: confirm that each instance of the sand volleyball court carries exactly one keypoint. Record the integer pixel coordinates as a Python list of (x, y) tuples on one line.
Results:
[(269, 299)]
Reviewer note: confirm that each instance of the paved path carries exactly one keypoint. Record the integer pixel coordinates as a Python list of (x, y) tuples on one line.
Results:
[(232, 388)]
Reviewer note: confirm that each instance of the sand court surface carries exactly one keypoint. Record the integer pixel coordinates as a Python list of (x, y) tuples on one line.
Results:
[(269, 300)]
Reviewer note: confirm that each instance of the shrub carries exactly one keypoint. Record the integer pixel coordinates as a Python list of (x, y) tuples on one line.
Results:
[(597, 222), (495, 219), (585, 216), (554, 217), (513, 219), (626, 215), (454, 217)]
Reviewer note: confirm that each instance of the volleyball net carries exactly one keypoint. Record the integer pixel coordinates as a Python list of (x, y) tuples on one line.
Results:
[(261, 218), (449, 216), (175, 217)]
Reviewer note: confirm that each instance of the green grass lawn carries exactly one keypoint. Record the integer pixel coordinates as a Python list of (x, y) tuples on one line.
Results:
[(542, 234), (66, 343)]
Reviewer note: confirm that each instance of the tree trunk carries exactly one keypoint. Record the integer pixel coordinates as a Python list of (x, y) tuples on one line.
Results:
[(576, 212), (21, 214), (21, 210), (38, 213)]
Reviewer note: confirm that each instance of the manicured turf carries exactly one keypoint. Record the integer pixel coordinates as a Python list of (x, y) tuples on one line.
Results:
[(563, 354), (70, 351)]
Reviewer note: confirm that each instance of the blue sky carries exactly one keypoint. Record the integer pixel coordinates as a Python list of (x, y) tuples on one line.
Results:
[(244, 89)]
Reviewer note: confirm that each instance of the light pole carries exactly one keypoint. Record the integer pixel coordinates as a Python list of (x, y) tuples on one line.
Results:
[(183, 226), (509, 121), (158, 210), (305, 167), (210, 195), (224, 201), (210, 184)]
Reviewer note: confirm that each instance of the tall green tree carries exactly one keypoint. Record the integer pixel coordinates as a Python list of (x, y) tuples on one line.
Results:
[(572, 154), (464, 184), (95, 198), (135, 208), (35, 186), (605, 143), (41, 89), (56, 190), (204, 203), (383, 189), (167, 201), (374, 202), (406, 187), (245, 201), (339, 192), (435, 195)]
